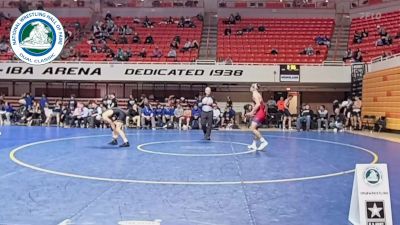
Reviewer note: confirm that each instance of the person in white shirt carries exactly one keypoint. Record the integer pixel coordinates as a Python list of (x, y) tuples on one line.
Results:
[(216, 115), (322, 117), (207, 113), (83, 118), (171, 53)]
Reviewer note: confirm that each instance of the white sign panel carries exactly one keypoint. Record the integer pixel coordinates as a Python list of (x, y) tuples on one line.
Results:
[(290, 78), (370, 200)]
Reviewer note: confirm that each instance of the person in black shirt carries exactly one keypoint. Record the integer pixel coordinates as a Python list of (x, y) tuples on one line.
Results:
[(113, 103), (305, 116), (116, 118), (133, 115), (131, 102), (72, 103)]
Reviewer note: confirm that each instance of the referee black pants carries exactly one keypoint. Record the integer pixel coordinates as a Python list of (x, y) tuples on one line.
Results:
[(206, 123)]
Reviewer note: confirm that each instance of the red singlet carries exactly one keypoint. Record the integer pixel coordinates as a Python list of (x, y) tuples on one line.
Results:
[(261, 113)]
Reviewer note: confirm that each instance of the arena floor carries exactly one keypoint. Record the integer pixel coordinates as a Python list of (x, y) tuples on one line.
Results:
[(50, 175)]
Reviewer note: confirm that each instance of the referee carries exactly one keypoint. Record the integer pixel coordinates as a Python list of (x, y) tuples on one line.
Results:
[(207, 113)]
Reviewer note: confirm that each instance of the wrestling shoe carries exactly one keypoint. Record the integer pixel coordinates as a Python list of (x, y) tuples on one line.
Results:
[(113, 142), (126, 144), (262, 146)]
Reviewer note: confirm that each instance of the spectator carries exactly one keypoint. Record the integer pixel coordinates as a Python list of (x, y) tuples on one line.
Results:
[(148, 116), (29, 100), (158, 114), (336, 122), (238, 17), (274, 51), (149, 39), (229, 102), (347, 55), (94, 119), (4, 47), (248, 29), (122, 39), (9, 111), (135, 38), (196, 117), (147, 23), (171, 53), (239, 32), (174, 45), (178, 114), (308, 51), (194, 45), (216, 115), (43, 101), (322, 117), (247, 108), (359, 57), (271, 103), (261, 28), (228, 119), (187, 46), (83, 118), (143, 53), (357, 39), (364, 33), (136, 20), (131, 102), (112, 101), (72, 104), (305, 116), (228, 31), (133, 115), (168, 114), (381, 31), (34, 113), (108, 16), (157, 53), (187, 116)]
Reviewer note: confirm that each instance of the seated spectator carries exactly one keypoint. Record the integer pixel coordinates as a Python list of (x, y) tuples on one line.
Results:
[(157, 53), (238, 17), (148, 116), (358, 57), (136, 20), (384, 40), (228, 119), (231, 19), (308, 51), (71, 52), (4, 47), (200, 17), (247, 108), (216, 115), (174, 45), (133, 116), (149, 39), (178, 114), (8, 112), (187, 116), (347, 55), (248, 29), (323, 40), (364, 33), (34, 113), (187, 46), (95, 119), (337, 121), (129, 53), (228, 31), (171, 53), (158, 114), (322, 117), (239, 32), (108, 16), (357, 39), (196, 117), (274, 51), (194, 45), (135, 38), (381, 31), (229, 102), (147, 23), (305, 116), (122, 39), (168, 114), (261, 28), (83, 118), (143, 53), (177, 39)]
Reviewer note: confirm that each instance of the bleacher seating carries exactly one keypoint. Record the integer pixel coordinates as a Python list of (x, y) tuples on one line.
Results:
[(288, 36), (162, 35), (389, 21)]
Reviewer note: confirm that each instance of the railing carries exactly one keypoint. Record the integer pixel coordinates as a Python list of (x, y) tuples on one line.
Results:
[(381, 58), (322, 4), (153, 3)]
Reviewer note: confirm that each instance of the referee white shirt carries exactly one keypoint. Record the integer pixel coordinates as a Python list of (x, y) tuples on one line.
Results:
[(207, 104)]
